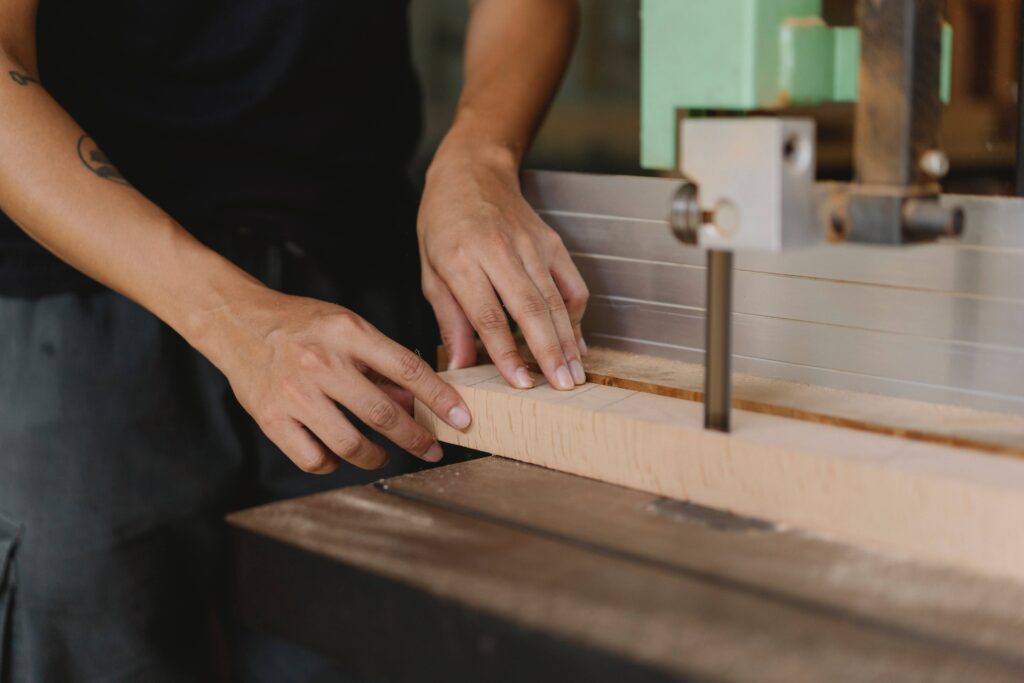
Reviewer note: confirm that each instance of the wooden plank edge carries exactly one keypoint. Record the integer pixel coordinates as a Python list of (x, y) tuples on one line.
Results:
[(810, 416), (624, 381)]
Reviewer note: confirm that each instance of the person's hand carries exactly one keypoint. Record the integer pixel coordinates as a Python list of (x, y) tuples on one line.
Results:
[(484, 251), (293, 361)]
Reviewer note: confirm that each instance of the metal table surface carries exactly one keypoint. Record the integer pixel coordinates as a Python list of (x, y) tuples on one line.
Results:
[(493, 570)]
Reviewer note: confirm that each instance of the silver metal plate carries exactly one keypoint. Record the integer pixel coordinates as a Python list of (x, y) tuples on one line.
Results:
[(941, 322)]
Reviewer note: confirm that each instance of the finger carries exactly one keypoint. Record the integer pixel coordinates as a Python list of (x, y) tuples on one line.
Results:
[(456, 331), (532, 311), (574, 293), (408, 370), (563, 326), (301, 447), (403, 397), (329, 424), (384, 416), (476, 296)]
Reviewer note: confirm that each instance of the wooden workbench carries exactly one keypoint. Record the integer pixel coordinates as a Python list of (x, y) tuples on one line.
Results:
[(494, 570)]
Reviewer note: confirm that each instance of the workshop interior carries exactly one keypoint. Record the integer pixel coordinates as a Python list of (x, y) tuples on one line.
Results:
[(793, 216), (799, 451)]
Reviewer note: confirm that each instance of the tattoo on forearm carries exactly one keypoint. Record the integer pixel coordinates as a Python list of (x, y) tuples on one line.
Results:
[(96, 161), (22, 79)]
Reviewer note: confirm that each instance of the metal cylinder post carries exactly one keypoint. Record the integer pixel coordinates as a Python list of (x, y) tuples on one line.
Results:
[(718, 341)]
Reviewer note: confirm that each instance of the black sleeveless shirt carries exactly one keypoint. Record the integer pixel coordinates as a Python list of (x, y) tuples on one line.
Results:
[(293, 116)]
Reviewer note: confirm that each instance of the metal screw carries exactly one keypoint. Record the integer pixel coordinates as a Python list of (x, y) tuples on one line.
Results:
[(934, 163)]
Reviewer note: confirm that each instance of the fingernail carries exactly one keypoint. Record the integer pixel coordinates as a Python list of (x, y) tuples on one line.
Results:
[(563, 378), (434, 454), (578, 375), (583, 346), (523, 379), (458, 417)]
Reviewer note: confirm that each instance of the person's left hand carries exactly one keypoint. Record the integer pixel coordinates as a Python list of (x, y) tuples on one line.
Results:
[(483, 251)]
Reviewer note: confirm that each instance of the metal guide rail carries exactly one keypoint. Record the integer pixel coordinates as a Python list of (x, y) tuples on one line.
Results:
[(939, 322)]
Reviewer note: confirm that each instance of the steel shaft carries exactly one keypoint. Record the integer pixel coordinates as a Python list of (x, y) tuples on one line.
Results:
[(718, 341)]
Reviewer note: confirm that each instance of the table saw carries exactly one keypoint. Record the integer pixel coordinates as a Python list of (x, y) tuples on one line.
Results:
[(800, 451)]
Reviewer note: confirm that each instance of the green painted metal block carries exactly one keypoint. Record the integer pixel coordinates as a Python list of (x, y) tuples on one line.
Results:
[(742, 55), (707, 54), (807, 52), (846, 64)]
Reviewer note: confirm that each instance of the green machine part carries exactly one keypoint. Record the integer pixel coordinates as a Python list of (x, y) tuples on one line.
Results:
[(742, 55)]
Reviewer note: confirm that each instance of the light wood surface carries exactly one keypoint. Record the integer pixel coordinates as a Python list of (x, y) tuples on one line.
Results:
[(946, 424), (930, 502)]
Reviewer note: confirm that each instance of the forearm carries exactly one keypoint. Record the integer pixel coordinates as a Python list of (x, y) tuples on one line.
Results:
[(292, 362), (484, 251), (55, 185), (516, 53)]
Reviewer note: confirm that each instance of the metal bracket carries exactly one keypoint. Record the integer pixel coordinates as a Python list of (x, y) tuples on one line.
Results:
[(754, 183)]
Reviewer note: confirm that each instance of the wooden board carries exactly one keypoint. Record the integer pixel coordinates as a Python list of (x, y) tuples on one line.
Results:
[(925, 501), (945, 424), (952, 425)]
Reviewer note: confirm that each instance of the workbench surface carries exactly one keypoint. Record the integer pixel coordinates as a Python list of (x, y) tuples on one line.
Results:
[(493, 570)]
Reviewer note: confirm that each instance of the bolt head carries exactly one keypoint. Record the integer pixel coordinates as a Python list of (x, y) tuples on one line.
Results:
[(934, 163)]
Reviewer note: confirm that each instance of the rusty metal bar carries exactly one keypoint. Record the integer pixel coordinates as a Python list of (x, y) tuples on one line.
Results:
[(898, 112)]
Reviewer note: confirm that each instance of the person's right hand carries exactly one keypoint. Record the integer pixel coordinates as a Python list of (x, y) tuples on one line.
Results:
[(292, 361)]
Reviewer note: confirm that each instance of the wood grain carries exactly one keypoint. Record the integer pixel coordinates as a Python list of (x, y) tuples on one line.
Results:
[(948, 606), (933, 423), (507, 597), (931, 502)]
